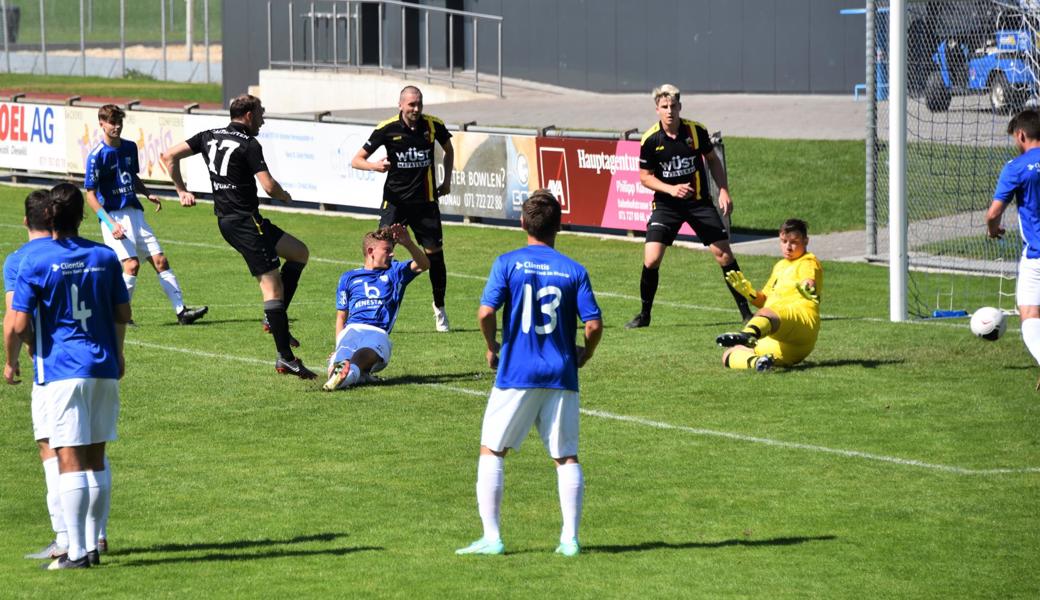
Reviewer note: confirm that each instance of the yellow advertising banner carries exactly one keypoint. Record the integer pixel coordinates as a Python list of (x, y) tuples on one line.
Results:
[(152, 132)]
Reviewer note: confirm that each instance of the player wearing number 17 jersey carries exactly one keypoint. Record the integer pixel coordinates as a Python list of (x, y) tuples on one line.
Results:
[(542, 294), (236, 162)]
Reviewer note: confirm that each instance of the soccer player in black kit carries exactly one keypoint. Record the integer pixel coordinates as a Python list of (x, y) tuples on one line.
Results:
[(672, 160), (236, 162), (410, 193)]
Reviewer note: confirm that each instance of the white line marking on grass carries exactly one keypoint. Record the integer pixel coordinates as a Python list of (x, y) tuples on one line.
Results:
[(739, 437)]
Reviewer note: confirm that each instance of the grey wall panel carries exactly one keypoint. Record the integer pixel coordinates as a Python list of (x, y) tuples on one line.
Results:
[(695, 72), (727, 35), (602, 41), (758, 56), (667, 48), (792, 46), (543, 46), (826, 59), (572, 32), (633, 46)]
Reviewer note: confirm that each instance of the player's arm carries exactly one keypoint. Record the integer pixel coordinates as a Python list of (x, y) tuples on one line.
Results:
[(121, 314), (272, 187), (142, 189), (12, 344), (718, 173), (22, 327), (449, 165), (993, 218), (172, 161), (361, 162), (341, 322), (420, 261), (103, 216), (593, 333), (489, 329), (649, 180)]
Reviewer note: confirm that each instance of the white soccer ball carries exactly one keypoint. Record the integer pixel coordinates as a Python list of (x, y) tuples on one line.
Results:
[(988, 323)]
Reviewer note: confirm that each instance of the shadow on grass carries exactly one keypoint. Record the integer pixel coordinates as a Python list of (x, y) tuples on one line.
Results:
[(232, 545), (866, 363), (645, 546), (437, 378), (205, 322), (223, 556)]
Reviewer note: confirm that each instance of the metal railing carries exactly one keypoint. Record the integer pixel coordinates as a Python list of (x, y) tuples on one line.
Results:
[(341, 30)]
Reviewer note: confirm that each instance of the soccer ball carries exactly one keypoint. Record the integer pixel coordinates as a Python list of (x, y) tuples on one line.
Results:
[(988, 323)]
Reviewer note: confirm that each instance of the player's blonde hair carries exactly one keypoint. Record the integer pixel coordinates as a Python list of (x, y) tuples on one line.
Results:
[(380, 235), (666, 90)]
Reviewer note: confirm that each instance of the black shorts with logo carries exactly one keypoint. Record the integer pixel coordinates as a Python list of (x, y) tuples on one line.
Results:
[(255, 239), (424, 218), (703, 217)]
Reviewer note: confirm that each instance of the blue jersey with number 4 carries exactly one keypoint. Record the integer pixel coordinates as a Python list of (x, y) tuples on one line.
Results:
[(544, 294), (111, 172), (373, 296), (73, 286), (1020, 181)]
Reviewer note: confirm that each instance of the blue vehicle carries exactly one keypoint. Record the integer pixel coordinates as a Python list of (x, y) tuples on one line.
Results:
[(999, 62)]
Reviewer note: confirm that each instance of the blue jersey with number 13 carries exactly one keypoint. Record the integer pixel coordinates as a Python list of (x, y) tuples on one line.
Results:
[(544, 293)]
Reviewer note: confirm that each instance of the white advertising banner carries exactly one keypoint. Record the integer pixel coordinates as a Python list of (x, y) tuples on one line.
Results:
[(154, 133), (32, 137), (310, 160)]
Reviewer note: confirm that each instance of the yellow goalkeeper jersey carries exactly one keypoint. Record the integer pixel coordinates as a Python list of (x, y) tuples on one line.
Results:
[(780, 290)]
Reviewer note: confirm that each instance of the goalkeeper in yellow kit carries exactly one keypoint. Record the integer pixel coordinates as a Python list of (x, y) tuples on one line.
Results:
[(783, 331)]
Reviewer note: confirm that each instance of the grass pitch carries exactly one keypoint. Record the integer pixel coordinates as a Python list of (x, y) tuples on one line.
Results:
[(871, 470)]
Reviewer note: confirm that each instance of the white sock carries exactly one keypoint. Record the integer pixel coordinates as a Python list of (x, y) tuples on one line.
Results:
[(50, 472), (571, 482), (1031, 336), (490, 481), (131, 283), (169, 284), (105, 477), (99, 497), (353, 375), (75, 500)]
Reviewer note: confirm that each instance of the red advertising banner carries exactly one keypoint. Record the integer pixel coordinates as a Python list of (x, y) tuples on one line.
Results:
[(596, 182)]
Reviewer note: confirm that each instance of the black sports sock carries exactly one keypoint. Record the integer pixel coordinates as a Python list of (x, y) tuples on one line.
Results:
[(291, 272), (279, 322), (648, 288), (742, 303), (438, 276)]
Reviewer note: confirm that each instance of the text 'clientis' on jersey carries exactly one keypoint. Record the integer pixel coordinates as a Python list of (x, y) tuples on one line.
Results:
[(1020, 181), (677, 160), (71, 287), (410, 151), (373, 296), (234, 158), (544, 294), (111, 171)]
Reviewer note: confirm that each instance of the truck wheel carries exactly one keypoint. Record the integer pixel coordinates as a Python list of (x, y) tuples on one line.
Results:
[(936, 94)]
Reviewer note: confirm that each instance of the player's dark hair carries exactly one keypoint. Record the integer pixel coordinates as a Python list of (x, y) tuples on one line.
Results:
[(1028, 122), (110, 113), (542, 215), (66, 208), (37, 204), (380, 235), (243, 104), (795, 226)]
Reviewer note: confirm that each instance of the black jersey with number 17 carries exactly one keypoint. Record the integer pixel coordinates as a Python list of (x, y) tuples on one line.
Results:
[(234, 158), (677, 160)]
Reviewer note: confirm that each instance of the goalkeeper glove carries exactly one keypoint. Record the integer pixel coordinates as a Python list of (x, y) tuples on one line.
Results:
[(737, 281), (808, 291)]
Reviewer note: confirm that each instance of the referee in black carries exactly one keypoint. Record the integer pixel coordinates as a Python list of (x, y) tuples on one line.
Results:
[(236, 162), (411, 192), (672, 159)]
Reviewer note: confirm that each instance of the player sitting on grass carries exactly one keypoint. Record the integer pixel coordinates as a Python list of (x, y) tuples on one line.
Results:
[(783, 331), (367, 301)]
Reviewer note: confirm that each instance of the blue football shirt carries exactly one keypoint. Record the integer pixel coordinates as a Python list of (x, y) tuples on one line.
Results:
[(1020, 181), (111, 172), (14, 260), (73, 286), (544, 294), (373, 296)]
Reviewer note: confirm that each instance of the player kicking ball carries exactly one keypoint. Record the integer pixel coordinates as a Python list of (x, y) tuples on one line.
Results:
[(544, 293), (783, 331), (367, 301)]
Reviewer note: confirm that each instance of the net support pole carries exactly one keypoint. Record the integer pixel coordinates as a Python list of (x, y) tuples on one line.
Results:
[(898, 264), (870, 208)]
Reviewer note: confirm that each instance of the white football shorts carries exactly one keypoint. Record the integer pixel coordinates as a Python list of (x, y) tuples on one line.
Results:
[(1027, 287), (511, 413), (41, 420), (356, 336), (140, 240), (81, 411)]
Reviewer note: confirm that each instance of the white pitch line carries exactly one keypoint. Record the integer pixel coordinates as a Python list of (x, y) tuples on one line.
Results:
[(739, 437)]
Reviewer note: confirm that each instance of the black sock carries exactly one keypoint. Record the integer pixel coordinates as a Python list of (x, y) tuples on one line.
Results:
[(742, 303), (279, 322), (438, 276), (648, 288), (291, 272)]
